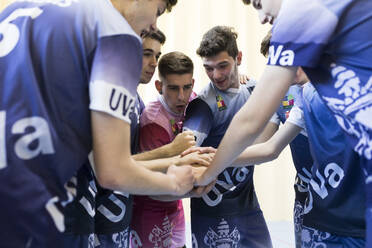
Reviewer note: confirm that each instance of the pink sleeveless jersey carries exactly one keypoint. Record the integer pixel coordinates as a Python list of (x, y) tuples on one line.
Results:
[(157, 223)]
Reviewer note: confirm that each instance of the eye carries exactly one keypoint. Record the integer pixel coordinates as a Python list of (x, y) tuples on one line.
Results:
[(208, 69)]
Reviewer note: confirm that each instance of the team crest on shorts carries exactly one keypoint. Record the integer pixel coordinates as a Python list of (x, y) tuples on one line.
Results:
[(220, 103), (222, 238), (161, 237)]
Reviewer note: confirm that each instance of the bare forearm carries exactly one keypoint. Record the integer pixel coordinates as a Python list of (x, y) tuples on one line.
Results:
[(271, 149), (160, 152), (160, 165), (136, 179)]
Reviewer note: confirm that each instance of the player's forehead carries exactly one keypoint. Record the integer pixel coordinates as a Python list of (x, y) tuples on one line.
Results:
[(178, 80), (150, 43), (218, 59)]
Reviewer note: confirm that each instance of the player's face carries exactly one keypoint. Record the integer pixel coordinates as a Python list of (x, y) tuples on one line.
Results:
[(143, 14), (268, 10), (176, 90), (222, 70), (151, 54)]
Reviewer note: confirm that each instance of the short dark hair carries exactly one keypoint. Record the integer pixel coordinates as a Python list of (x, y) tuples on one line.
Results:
[(155, 35), (218, 39), (246, 1), (175, 63), (170, 4), (265, 44)]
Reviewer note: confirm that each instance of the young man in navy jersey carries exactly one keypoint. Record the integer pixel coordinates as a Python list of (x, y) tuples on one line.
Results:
[(333, 214), (300, 149), (69, 77), (331, 41), (230, 213)]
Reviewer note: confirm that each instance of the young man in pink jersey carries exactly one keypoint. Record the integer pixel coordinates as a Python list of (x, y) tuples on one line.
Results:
[(159, 222)]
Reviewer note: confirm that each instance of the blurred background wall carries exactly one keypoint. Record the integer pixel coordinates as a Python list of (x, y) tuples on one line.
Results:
[(184, 27)]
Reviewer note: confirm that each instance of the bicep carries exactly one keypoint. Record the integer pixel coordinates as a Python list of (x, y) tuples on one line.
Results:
[(111, 142)]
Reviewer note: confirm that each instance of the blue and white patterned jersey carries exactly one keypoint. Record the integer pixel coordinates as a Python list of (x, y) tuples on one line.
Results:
[(59, 60), (331, 40), (300, 149), (336, 178), (209, 116)]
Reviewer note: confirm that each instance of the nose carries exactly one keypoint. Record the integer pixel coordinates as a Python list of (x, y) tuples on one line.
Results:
[(154, 61), (181, 96), (217, 74)]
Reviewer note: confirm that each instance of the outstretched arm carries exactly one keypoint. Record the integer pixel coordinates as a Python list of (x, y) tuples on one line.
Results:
[(270, 150), (115, 169), (251, 119)]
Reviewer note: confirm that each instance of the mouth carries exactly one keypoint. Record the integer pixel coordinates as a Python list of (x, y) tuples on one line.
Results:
[(150, 74), (220, 83), (181, 108)]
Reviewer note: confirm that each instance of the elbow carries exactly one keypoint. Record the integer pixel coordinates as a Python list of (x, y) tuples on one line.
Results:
[(107, 181), (272, 151)]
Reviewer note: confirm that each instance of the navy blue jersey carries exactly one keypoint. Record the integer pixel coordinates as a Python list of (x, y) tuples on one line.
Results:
[(300, 145), (209, 116), (113, 208), (79, 214), (336, 178), (59, 60)]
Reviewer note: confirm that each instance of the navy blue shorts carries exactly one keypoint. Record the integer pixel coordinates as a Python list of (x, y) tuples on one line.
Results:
[(115, 240), (312, 238), (239, 230)]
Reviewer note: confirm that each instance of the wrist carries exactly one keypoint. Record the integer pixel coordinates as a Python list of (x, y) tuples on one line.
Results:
[(173, 184)]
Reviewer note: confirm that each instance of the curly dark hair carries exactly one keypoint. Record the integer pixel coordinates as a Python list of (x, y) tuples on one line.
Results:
[(170, 4), (218, 39), (175, 63)]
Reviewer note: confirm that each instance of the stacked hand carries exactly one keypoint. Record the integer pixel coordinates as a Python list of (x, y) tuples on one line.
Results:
[(207, 153), (182, 142)]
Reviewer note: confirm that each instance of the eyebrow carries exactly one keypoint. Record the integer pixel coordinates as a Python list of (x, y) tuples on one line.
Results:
[(148, 50)]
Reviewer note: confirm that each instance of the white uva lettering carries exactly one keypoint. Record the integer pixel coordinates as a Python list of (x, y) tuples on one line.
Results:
[(2, 140), (110, 215), (287, 58), (41, 135), (274, 55), (321, 190), (211, 202), (335, 174)]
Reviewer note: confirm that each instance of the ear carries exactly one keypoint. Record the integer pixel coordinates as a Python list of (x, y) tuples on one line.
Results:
[(239, 57), (193, 82), (159, 86)]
